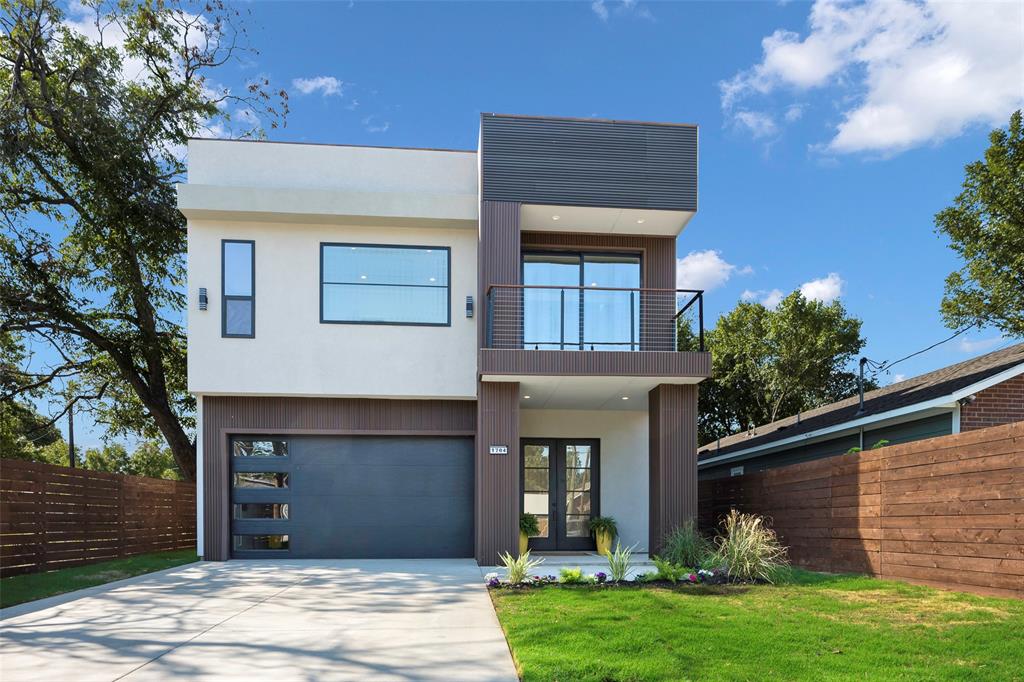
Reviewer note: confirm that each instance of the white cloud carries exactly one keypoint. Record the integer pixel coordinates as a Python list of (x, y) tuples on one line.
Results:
[(705, 270), (247, 115), (979, 345), (772, 298), (325, 85), (604, 9), (907, 73), (769, 299), (757, 123), (373, 124), (897, 378), (826, 289), (794, 112)]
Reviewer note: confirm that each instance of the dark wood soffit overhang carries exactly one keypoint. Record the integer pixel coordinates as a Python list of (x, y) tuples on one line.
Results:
[(594, 363)]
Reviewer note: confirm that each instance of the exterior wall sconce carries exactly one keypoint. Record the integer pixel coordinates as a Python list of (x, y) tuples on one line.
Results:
[(469, 306), (204, 300)]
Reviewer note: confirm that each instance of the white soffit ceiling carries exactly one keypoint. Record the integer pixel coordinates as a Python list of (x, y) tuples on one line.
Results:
[(586, 392), (540, 217)]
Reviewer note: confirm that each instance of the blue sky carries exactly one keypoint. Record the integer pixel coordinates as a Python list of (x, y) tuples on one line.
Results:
[(830, 135)]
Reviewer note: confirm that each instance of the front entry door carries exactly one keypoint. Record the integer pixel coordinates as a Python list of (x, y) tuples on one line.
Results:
[(560, 484)]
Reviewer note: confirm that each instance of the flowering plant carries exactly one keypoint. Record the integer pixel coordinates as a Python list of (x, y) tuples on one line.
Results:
[(601, 576)]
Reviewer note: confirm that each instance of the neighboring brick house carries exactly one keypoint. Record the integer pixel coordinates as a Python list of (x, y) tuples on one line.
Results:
[(999, 404), (985, 391)]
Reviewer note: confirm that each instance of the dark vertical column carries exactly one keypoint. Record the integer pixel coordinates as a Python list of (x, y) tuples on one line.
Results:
[(498, 262), (497, 476), (673, 458), (216, 522)]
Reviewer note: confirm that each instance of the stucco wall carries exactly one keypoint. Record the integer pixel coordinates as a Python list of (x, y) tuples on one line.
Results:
[(293, 354), (624, 464), (234, 163)]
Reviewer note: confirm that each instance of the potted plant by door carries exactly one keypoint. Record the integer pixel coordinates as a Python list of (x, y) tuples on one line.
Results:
[(527, 526), (604, 530)]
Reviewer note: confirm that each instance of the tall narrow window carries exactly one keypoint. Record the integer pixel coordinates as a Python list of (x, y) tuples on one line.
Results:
[(238, 284)]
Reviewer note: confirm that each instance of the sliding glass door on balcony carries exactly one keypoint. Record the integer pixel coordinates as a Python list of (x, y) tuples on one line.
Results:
[(579, 301)]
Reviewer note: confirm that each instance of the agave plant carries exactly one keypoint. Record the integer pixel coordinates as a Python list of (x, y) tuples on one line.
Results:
[(518, 568)]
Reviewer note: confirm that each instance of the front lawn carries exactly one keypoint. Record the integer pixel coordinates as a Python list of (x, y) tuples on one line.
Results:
[(22, 588), (813, 627)]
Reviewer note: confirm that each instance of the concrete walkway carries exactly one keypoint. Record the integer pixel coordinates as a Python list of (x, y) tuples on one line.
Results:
[(266, 620)]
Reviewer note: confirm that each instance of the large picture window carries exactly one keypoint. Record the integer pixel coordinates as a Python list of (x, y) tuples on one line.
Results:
[(238, 284), (376, 284)]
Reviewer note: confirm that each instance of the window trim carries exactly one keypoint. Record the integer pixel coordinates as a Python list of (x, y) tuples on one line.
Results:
[(418, 247), (224, 298)]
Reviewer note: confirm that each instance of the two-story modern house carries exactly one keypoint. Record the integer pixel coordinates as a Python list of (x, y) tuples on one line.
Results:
[(397, 351)]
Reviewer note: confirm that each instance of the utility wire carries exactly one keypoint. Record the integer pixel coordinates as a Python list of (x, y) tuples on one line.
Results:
[(886, 365)]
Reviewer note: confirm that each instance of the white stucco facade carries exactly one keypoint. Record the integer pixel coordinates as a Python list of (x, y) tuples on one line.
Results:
[(624, 462), (290, 198), (293, 353)]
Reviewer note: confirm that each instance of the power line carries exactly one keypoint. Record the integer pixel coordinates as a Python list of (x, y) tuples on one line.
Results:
[(886, 365)]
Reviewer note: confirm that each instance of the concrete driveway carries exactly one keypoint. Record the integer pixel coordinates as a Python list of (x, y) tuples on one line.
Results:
[(426, 619)]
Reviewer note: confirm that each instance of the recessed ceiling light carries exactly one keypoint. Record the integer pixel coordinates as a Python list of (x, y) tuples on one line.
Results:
[(625, 397), (593, 284), (526, 397), (362, 276), (556, 217), (433, 279), (641, 221)]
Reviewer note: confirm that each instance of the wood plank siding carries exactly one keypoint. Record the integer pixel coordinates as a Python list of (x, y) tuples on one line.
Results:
[(224, 416), (497, 476), (946, 512), (54, 517), (673, 459)]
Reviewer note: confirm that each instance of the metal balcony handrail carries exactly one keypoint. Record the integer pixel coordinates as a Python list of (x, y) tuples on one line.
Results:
[(696, 297)]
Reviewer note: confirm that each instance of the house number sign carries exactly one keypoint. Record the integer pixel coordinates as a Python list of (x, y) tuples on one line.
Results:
[(499, 450)]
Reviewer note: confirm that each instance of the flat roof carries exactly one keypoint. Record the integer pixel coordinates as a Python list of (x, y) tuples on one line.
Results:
[(592, 119), (333, 144)]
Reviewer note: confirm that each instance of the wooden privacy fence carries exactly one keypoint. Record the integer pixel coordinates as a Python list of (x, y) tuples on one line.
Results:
[(946, 512), (53, 517)]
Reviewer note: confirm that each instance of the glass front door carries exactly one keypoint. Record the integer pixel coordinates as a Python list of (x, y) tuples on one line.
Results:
[(560, 485)]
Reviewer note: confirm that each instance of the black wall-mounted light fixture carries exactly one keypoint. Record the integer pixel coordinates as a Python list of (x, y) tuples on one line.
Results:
[(204, 300), (469, 306)]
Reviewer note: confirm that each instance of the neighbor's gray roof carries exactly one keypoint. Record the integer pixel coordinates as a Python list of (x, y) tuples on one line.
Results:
[(941, 382)]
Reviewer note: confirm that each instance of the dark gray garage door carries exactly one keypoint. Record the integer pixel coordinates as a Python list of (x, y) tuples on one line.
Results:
[(351, 497)]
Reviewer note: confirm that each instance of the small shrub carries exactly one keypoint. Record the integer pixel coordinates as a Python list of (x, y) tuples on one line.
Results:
[(686, 546), (669, 570), (604, 523), (571, 576), (528, 524), (518, 568), (620, 562), (748, 549), (645, 577)]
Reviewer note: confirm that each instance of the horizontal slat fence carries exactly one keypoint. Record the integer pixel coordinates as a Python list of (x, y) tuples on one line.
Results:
[(946, 512), (53, 517)]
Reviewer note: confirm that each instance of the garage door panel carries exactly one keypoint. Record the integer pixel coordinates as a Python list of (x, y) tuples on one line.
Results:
[(379, 451), (391, 481), (367, 497), (357, 511)]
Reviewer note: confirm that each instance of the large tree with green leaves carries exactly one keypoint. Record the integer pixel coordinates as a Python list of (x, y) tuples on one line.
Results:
[(96, 112), (769, 363), (985, 226)]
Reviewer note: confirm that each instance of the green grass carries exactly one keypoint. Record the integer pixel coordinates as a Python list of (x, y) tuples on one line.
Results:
[(22, 588), (812, 627)]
